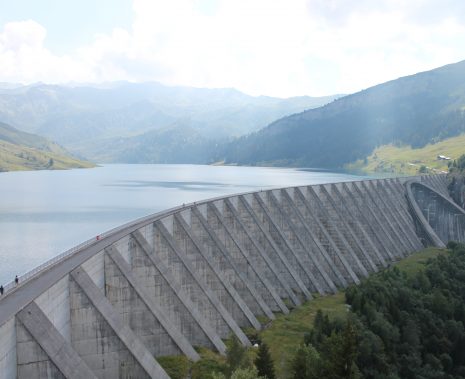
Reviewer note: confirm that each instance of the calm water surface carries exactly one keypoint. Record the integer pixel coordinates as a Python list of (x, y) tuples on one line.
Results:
[(43, 213)]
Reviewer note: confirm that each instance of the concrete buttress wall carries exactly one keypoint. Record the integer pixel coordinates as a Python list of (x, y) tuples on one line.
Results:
[(193, 275)]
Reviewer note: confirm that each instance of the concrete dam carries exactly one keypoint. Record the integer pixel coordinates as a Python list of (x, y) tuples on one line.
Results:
[(193, 275)]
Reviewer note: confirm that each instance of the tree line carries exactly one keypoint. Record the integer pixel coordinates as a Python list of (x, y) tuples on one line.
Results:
[(399, 324)]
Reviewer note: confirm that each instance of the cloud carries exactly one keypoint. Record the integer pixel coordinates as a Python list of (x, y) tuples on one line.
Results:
[(277, 47), (20, 35), (23, 57)]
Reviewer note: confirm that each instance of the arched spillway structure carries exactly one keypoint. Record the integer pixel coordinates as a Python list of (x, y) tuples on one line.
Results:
[(193, 275), (438, 219)]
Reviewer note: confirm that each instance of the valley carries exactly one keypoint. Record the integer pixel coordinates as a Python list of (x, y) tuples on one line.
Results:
[(400, 126), (147, 122)]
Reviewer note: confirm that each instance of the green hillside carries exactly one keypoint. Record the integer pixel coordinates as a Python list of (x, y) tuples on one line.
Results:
[(25, 151), (408, 160), (416, 110)]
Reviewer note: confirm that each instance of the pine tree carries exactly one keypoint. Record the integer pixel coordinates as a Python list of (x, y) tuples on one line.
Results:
[(299, 364), (264, 362), (305, 363), (236, 356), (339, 354)]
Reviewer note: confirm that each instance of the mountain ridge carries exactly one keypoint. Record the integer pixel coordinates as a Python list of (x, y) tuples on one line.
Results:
[(415, 110)]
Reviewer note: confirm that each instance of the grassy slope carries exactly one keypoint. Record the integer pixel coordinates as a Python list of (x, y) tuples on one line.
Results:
[(25, 151), (405, 160), (16, 157), (417, 261), (287, 331)]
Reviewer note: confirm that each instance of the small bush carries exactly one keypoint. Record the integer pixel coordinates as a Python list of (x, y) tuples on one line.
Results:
[(176, 366), (206, 367)]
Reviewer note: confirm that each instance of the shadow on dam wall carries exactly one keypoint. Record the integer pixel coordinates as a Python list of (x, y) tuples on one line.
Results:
[(194, 275)]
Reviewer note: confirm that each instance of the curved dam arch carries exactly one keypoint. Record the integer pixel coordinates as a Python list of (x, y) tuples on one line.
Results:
[(438, 219), (193, 275)]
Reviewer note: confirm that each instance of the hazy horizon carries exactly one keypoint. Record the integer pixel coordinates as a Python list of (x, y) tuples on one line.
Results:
[(116, 83)]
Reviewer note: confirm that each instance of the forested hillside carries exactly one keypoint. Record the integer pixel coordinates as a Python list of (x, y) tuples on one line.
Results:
[(413, 110), (402, 324)]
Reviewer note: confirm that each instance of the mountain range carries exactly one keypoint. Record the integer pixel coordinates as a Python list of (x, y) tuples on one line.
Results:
[(142, 122)]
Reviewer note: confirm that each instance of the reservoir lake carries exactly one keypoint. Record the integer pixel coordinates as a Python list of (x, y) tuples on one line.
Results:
[(44, 213)]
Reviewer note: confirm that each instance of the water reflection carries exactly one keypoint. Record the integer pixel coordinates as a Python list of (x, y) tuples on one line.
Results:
[(185, 186)]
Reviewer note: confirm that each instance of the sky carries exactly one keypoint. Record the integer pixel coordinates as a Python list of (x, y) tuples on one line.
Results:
[(277, 48)]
